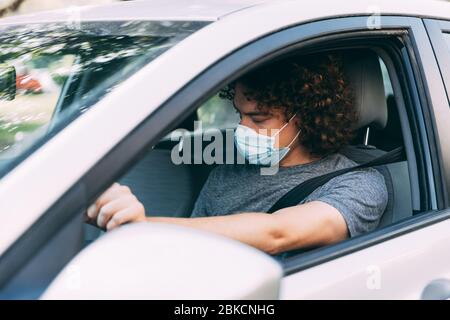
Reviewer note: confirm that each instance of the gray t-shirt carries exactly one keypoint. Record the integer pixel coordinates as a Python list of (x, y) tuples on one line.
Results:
[(360, 196)]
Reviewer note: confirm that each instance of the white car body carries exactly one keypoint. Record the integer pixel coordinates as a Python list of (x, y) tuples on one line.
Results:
[(374, 272)]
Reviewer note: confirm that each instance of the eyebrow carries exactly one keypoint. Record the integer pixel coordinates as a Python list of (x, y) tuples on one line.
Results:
[(252, 113)]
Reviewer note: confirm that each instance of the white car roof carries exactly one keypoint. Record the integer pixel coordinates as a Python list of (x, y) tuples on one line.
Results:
[(208, 10), (212, 10)]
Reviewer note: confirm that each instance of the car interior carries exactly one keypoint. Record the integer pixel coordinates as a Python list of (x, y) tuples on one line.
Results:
[(167, 189)]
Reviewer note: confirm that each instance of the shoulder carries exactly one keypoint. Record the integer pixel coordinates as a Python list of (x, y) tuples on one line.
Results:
[(364, 183), (361, 197)]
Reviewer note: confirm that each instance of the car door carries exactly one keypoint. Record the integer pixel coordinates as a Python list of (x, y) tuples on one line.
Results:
[(412, 260), (399, 260), (376, 265)]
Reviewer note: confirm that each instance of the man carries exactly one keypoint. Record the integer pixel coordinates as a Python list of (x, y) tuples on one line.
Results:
[(308, 104)]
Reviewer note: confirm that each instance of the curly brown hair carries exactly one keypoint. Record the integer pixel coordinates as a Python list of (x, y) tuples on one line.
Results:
[(314, 88)]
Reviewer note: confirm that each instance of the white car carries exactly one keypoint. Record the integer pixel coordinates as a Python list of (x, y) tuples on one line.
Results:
[(122, 77)]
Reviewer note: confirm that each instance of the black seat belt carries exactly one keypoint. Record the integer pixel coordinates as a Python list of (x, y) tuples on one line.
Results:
[(304, 189)]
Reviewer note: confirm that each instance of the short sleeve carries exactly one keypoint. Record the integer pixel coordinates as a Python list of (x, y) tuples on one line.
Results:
[(360, 196)]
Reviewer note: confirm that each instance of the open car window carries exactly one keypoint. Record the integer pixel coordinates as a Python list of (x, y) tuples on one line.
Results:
[(217, 113), (52, 73)]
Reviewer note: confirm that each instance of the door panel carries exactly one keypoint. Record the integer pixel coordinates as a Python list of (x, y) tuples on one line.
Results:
[(402, 266), (399, 268)]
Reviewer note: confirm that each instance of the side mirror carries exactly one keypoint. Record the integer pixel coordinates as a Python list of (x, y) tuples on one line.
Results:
[(7, 82), (164, 261)]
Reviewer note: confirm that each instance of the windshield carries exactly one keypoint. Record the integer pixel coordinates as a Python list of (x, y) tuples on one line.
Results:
[(52, 73)]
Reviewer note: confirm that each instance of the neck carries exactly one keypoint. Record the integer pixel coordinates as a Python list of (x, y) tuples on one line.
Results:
[(297, 155)]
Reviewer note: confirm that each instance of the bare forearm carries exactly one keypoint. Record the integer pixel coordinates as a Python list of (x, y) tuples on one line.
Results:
[(255, 229), (310, 224), (307, 225)]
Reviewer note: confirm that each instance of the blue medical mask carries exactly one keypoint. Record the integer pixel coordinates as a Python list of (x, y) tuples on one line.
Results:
[(260, 149)]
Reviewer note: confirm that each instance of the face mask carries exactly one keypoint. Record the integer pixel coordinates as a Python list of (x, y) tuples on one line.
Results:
[(260, 149)]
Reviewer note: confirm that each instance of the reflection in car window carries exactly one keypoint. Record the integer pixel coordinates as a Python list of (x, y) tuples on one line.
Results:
[(38, 85), (60, 71)]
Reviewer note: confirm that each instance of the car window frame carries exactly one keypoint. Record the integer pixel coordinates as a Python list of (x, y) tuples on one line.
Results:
[(436, 30), (150, 131)]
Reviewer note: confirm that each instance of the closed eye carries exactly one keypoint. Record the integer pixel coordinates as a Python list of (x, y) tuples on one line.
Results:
[(258, 120)]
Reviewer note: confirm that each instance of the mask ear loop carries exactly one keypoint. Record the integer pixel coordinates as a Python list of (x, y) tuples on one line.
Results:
[(292, 117), (296, 136), (284, 126), (298, 133)]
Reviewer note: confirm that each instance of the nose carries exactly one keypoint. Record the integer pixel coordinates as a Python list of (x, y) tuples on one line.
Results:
[(249, 124)]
